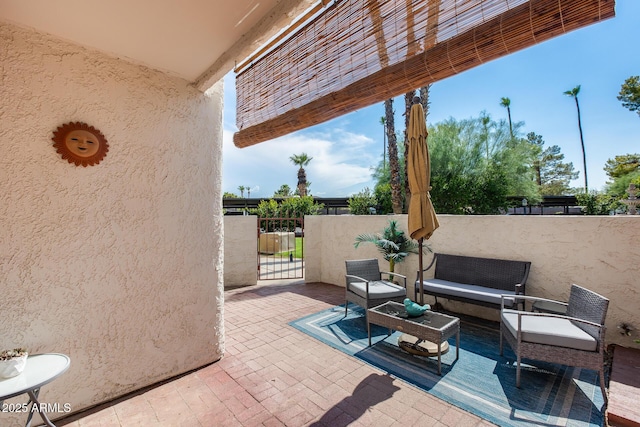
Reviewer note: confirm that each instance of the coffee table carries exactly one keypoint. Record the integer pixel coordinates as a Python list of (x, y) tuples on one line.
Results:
[(431, 326)]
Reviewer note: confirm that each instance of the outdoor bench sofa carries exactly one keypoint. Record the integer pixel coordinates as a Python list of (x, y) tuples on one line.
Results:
[(474, 280)]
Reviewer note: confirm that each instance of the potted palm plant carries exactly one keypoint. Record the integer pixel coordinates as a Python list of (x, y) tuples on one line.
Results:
[(12, 362), (392, 243)]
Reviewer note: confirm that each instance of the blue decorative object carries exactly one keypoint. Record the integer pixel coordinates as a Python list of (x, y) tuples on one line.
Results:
[(415, 309)]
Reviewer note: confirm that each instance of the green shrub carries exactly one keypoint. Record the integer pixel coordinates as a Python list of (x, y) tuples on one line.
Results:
[(382, 192), (598, 204), (291, 207), (297, 207), (363, 203)]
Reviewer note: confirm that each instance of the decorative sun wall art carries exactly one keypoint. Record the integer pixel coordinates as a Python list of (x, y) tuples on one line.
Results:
[(80, 143)]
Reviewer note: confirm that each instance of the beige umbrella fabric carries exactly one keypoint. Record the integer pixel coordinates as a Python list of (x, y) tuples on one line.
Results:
[(422, 217)]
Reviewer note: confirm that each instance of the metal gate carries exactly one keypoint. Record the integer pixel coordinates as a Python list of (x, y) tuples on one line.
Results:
[(280, 248)]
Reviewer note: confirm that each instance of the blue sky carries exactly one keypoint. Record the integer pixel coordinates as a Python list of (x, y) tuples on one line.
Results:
[(598, 57)]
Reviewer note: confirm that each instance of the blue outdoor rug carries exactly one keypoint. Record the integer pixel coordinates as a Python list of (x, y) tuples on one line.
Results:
[(480, 381)]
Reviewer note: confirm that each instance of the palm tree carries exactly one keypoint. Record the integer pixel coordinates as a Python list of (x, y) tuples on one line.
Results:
[(301, 160), (574, 93), (248, 192), (424, 99), (283, 191), (394, 167), (485, 120), (506, 103), (392, 243), (383, 122), (241, 188)]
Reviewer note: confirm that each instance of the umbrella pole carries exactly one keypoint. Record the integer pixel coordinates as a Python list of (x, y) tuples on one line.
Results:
[(421, 274)]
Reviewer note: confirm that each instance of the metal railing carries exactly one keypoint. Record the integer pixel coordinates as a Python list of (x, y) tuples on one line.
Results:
[(550, 205)]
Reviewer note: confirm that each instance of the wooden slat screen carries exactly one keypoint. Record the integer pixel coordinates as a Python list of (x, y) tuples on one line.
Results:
[(359, 52)]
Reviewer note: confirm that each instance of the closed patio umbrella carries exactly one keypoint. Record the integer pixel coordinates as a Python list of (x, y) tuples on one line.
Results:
[(422, 217)]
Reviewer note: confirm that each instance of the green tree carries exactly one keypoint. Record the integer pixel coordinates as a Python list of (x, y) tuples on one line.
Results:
[(618, 188), (394, 167), (283, 191), (630, 94), (291, 207), (623, 170), (506, 103), (228, 195), (622, 165), (298, 207), (301, 160), (382, 189), (552, 175), (241, 188), (267, 209), (382, 193), (363, 203), (475, 165), (597, 203), (574, 94)]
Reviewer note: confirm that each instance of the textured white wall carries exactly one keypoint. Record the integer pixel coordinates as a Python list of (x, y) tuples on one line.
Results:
[(598, 252), (240, 250), (118, 265)]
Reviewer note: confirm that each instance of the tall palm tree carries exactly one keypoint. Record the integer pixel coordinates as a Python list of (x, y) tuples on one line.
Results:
[(424, 99), (383, 122), (574, 93), (485, 120), (301, 160), (241, 188), (248, 191), (394, 168), (506, 103)]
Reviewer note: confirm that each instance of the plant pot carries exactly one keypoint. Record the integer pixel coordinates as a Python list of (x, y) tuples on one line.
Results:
[(12, 367)]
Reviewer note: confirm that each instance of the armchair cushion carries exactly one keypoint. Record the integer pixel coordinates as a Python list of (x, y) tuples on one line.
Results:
[(549, 330), (377, 289)]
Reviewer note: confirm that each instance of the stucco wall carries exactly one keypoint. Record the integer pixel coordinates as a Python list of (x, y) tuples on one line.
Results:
[(600, 253), (118, 265), (240, 255)]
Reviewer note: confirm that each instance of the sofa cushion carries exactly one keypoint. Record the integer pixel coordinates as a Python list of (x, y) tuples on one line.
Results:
[(461, 290), (554, 331), (378, 289)]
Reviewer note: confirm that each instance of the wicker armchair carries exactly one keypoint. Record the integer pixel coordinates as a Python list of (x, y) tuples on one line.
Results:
[(366, 288), (574, 339)]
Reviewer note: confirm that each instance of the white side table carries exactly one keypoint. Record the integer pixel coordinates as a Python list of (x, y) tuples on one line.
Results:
[(41, 369)]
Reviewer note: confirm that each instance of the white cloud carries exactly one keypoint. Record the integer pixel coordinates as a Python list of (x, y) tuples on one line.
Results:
[(341, 163)]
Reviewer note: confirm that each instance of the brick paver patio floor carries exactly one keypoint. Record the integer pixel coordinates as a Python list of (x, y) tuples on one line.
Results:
[(273, 375)]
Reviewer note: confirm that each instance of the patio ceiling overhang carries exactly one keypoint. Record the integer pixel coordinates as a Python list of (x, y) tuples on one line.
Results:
[(359, 52)]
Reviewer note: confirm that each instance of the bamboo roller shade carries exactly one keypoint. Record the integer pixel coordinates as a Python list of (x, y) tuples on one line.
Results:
[(360, 52)]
